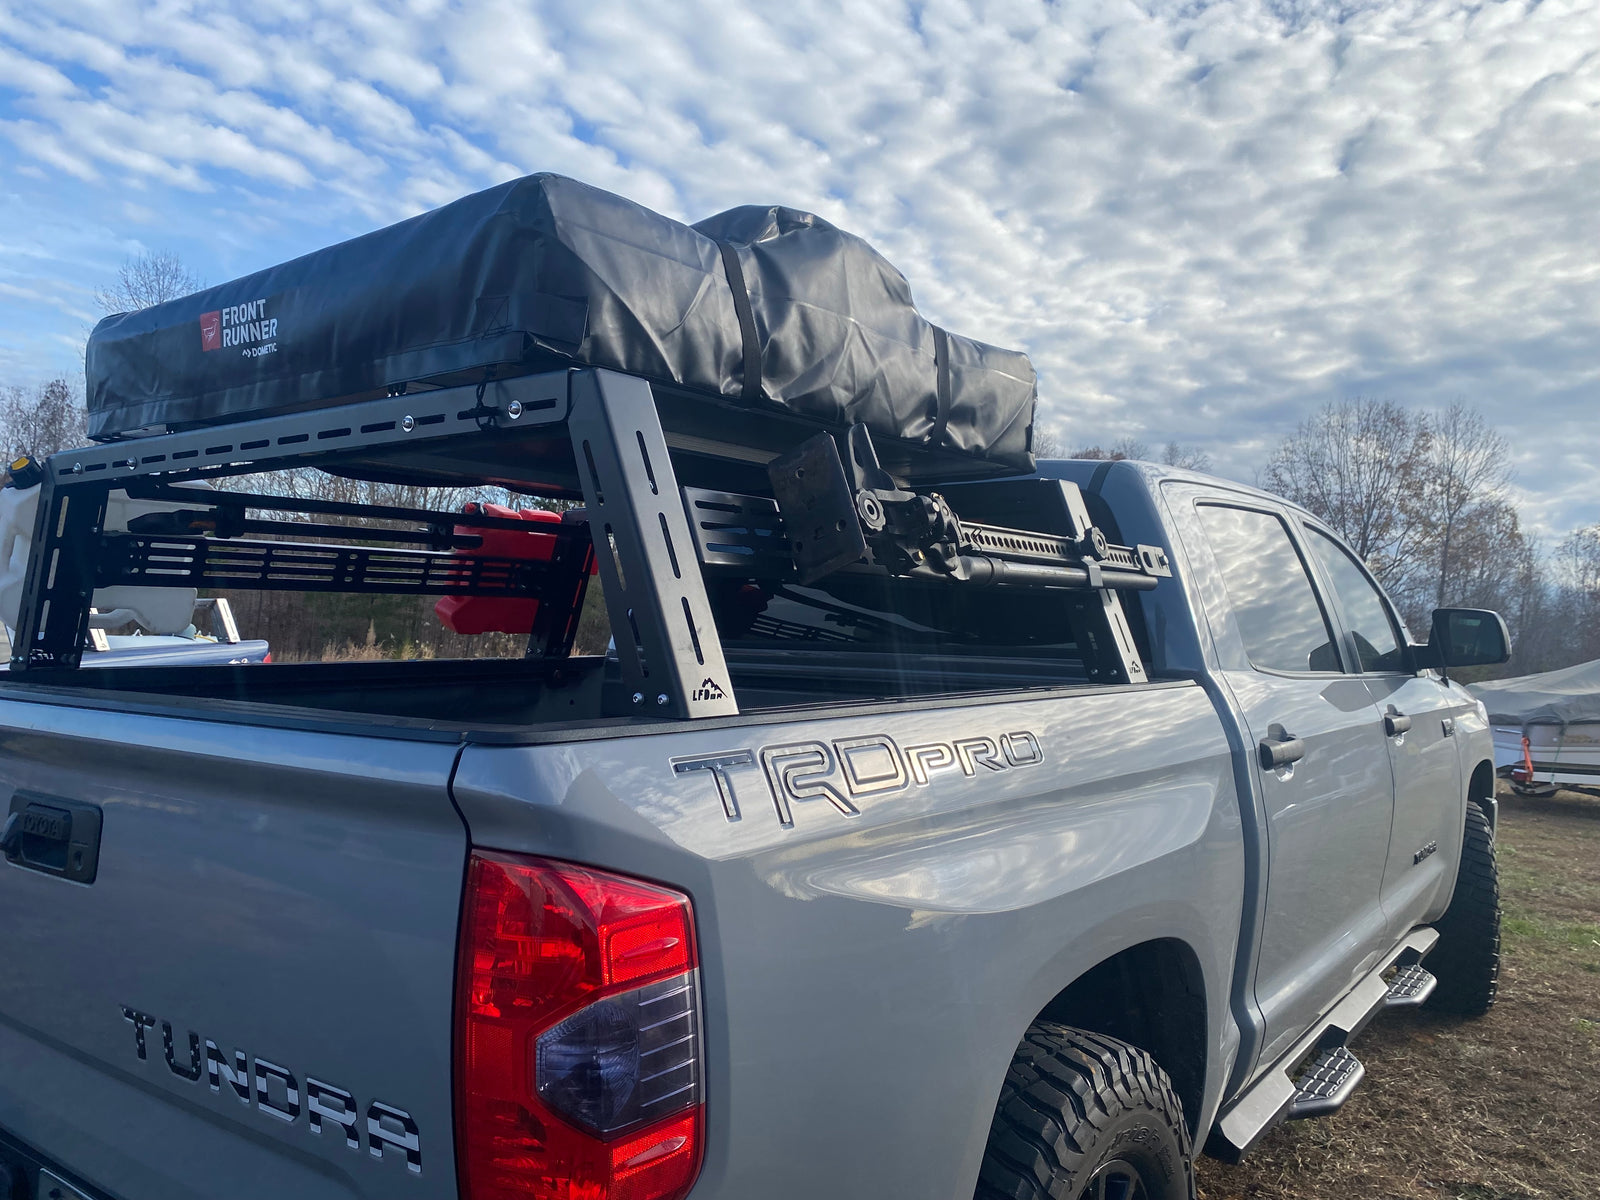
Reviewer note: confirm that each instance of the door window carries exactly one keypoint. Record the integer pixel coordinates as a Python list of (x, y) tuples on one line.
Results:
[(1274, 604), (1377, 643)]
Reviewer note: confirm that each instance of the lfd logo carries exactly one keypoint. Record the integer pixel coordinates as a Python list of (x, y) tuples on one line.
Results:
[(847, 769), (211, 330)]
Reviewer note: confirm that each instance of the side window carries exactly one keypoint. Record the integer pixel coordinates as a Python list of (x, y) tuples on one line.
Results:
[(1277, 610), (1377, 643)]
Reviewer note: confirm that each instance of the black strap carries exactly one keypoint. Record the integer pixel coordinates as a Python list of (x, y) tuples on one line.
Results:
[(941, 366), (747, 320)]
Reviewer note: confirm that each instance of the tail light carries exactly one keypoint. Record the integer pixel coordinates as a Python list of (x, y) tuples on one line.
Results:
[(578, 1043)]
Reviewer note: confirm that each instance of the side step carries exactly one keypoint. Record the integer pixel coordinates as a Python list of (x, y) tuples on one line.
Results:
[(1274, 1095), (1326, 1084), (1333, 1075), (1410, 987)]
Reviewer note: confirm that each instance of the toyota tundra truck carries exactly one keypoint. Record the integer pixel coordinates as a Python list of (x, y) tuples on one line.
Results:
[(1005, 833)]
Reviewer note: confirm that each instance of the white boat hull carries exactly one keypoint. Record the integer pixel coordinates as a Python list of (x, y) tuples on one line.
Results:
[(1567, 755)]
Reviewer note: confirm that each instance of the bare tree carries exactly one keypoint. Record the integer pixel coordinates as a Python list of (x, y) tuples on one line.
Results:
[(1129, 447), (1123, 447), (1046, 444), (1466, 468), (42, 422), (148, 279), (1576, 601), (1354, 464), (1173, 454), (1495, 564), (1188, 457), (1420, 497), (1578, 562)]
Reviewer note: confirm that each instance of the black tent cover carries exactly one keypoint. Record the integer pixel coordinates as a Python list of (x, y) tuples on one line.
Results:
[(759, 306)]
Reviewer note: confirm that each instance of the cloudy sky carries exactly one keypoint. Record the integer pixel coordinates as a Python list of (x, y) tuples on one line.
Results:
[(1203, 218)]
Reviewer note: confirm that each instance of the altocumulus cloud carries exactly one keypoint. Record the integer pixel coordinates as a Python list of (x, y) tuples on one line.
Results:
[(1202, 219)]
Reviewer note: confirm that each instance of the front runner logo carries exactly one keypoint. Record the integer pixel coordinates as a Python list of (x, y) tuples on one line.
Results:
[(245, 325)]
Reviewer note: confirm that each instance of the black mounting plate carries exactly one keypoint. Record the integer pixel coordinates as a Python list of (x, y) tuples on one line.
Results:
[(819, 512)]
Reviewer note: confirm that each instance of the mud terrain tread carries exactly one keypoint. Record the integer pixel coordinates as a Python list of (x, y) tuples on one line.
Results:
[(1467, 958), (1065, 1086)]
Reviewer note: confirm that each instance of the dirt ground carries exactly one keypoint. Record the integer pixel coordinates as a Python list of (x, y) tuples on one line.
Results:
[(1503, 1108)]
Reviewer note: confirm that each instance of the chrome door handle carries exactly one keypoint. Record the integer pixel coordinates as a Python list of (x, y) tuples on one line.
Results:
[(1278, 749)]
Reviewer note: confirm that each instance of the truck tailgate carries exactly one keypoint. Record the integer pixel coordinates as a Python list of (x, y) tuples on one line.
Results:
[(253, 995)]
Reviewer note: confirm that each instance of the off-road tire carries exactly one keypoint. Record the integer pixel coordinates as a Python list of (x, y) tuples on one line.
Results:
[(1467, 958), (1073, 1102)]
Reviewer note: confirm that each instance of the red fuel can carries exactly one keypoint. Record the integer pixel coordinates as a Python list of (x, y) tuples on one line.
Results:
[(500, 614)]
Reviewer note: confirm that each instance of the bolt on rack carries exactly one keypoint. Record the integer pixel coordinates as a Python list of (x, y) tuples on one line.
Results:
[(590, 432)]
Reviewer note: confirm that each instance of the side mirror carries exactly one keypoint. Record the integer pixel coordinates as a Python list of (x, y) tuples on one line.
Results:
[(1467, 637)]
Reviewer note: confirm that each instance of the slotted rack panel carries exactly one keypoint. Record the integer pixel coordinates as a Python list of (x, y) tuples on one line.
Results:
[(734, 530), (137, 560)]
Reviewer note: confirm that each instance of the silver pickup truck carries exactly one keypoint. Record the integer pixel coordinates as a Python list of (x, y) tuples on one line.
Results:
[(824, 902), (939, 825)]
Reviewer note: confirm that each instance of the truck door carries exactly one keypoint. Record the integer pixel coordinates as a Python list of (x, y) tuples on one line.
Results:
[(1418, 714), (1329, 800)]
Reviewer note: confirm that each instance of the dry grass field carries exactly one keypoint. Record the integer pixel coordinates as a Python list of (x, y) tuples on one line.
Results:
[(1503, 1108)]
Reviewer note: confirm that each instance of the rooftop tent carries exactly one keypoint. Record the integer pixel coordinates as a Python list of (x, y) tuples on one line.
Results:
[(758, 309), (1566, 697)]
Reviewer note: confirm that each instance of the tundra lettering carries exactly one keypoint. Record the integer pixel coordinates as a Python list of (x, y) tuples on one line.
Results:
[(318, 1095), (276, 1091)]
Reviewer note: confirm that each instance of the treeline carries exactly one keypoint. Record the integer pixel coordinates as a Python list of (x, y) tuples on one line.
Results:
[(1422, 495), (334, 626), (38, 422)]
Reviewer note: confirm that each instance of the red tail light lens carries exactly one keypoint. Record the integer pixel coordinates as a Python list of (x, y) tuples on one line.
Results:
[(579, 1057)]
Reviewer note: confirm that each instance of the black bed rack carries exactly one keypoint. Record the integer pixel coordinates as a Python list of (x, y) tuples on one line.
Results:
[(591, 433)]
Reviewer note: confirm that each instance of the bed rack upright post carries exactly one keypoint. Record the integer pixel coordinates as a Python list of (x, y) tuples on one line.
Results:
[(666, 637), (53, 621)]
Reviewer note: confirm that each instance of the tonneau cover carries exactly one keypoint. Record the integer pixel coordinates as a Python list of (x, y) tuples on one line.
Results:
[(1569, 696), (757, 306)]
